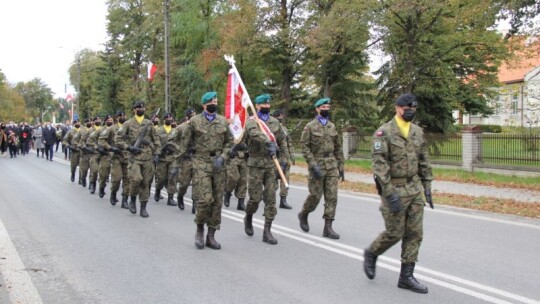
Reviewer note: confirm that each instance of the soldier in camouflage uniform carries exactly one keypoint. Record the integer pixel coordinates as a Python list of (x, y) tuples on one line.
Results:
[(95, 156), (165, 166), (321, 147), (208, 133), (106, 148), (237, 175), (71, 141), (119, 169), (261, 167), (284, 191), (183, 164), (402, 171), (84, 164), (139, 137)]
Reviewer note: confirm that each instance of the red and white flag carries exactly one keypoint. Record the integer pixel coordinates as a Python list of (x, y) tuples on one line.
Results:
[(69, 97), (266, 130), (236, 104), (151, 71)]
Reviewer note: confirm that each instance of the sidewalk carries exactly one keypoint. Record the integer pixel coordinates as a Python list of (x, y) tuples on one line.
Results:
[(452, 187)]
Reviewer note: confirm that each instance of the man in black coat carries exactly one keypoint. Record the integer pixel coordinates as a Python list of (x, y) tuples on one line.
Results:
[(49, 139)]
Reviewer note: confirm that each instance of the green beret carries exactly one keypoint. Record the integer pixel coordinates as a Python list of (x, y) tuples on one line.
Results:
[(322, 101), (207, 97), (264, 98)]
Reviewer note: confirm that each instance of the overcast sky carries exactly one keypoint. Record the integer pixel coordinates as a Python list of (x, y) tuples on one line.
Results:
[(39, 38)]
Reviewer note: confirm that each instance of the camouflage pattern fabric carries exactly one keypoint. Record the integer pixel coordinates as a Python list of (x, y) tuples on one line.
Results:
[(72, 138), (105, 141), (119, 172), (283, 191), (184, 163), (237, 175), (84, 163), (95, 157), (321, 145), (165, 165)]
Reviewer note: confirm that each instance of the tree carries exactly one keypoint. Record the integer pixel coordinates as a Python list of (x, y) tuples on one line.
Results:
[(12, 106), (38, 99)]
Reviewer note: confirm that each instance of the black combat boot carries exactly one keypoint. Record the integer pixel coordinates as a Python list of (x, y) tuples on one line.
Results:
[(125, 204), (93, 187), (72, 176), (143, 209), (157, 195), (193, 207), (328, 231), (370, 260), (199, 236), (283, 203), (408, 281), (210, 241), (248, 224), (267, 233), (181, 202), (113, 199), (80, 180), (133, 205), (83, 183), (227, 199), (303, 221), (170, 200), (241, 205), (101, 192)]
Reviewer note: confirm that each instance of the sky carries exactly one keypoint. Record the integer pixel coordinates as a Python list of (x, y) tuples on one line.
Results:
[(39, 38)]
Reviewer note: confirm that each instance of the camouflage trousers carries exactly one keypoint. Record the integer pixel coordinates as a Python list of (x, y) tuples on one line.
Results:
[(94, 167), (185, 174), (208, 187), (140, 175), (237, 177), (327, 185), (283, 191), (262, 186), (104, 170), (163, 171), (75, 157), (84, 165), (119, 173), (407, 226)]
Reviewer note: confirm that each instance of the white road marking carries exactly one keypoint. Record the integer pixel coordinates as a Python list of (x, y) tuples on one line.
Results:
[(18, 282)]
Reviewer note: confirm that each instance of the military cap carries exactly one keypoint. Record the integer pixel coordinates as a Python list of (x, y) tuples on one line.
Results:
[(96, 118), (119, 113), (406, 100), (107, 117), (167, 115), (277, 112), (189, 111), (138, 104), (264, 98), (75, 120), (87, 120), (207, 97), (322, 101)]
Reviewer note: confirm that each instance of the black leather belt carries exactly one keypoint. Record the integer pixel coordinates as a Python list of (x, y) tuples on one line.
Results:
[(401, 180)]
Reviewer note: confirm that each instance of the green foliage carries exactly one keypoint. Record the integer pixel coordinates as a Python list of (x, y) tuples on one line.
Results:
[(38, 98), (12, 105)]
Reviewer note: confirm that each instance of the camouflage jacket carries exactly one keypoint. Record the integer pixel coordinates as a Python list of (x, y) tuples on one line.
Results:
[(92, 141), (321, 145), (106, 138), (84, 133), (400, 161), (290, 147), (167, 154), (72, 138), (175, 138), (128, 134), (256, 141), (206, 139)]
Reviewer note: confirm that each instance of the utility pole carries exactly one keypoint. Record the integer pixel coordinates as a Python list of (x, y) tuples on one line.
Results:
[(167, 74)]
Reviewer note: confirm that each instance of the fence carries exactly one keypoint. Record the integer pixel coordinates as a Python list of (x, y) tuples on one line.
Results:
[(521, 150)]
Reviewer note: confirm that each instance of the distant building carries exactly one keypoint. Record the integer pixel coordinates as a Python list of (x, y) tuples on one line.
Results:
[(518, 101)]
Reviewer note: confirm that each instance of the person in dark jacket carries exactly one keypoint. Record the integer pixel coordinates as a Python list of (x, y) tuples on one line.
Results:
[(49, 139)]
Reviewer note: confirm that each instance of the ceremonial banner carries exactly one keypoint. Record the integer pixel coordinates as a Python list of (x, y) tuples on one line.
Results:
[(236, 103)]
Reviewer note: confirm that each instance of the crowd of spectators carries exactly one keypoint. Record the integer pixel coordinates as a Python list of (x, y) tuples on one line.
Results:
[(18, 139)]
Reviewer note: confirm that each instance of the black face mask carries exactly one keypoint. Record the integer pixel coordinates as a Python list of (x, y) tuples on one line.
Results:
[(173, 125), (324, 113), (408, 114), (88, 125), (211, 108), (97, 123), (155, 122), (140, 112), (109, 123), (77, 126), (265, 111), (122, 120), (168, 122)]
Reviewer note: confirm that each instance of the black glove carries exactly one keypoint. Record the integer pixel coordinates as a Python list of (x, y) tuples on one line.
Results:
[(271, 148), (219, 162), (429, 200), (394, 202), (233, 153), (134, 150), (114, 149), (342, 175), (174, 172), (156, 160), (316, 171)]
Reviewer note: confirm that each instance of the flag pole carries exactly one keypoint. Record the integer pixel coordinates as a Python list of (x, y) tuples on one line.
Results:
[(231, 61)]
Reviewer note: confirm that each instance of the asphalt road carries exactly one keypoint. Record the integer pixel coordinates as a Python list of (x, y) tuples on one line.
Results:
[(68, 246)]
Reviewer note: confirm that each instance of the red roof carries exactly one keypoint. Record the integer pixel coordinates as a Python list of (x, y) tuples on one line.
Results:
[(524, 61)]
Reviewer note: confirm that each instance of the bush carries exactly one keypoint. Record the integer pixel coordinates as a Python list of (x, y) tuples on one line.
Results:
[(484, 128)]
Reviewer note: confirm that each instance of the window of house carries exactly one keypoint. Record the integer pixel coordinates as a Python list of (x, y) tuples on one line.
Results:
[(515, 106)]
